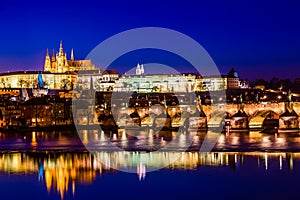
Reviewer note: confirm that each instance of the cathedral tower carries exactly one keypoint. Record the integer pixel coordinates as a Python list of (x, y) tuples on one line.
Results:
[(72, 55), (61, 59), (59, 63), (47, 65)]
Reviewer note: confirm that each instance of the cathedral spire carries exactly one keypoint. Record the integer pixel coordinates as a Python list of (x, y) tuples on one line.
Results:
[(61, 50), (53, 56), (138, 69), (47, 52), (142, 69), (47, 64), (72, 54)]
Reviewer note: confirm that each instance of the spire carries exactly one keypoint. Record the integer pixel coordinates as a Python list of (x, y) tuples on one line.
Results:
[(138, 69), (142, 69), (47, 52), (53, 56), (47, 64), (72, 54), (61, 50)]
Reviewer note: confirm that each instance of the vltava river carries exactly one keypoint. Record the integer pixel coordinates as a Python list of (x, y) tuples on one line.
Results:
[(56, 165)]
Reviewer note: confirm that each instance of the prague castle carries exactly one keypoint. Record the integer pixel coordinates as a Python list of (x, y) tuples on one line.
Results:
[(58, 63), (61, 73)]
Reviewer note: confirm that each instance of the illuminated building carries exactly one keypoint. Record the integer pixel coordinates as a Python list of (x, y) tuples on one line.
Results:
[(59, 74), (37, 112), (45, 112), (164, 83), (107, 81), (233, 81), (213, 83), (60, 64), (29, 79)]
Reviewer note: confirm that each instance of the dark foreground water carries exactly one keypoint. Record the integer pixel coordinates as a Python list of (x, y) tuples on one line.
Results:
[(56, 165)]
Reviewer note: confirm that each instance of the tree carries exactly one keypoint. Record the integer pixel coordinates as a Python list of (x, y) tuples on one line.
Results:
[(274, 83), (3, 82), (66, 84), (261, 82), (22, 82), (35, 83), (296, 85), (286, 84), (155, 89), (110, 89), (45, 84)]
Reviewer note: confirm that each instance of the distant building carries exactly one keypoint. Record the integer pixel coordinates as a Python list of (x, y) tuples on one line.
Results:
[(45, 112), (213, 83), (37, 112), (244, 84), (156, 82), (110, 75), (189, 82), (29, 79), (233, 81)]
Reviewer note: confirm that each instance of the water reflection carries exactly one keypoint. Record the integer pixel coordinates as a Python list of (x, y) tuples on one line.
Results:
[(148, 140), (61, 171)]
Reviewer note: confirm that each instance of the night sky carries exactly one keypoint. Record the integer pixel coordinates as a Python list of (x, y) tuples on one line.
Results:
[(260, 39)]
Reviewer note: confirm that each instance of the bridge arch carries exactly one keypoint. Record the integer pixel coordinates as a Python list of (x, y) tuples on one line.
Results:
[(260, 117)]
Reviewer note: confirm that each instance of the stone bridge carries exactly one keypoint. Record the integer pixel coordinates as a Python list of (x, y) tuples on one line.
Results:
[(257, 112)]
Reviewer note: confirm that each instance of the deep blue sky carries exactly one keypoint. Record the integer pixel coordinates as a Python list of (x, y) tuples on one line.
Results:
[(258, 38)]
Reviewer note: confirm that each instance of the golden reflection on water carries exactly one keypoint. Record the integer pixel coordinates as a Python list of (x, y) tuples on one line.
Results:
[(59, 171), (33, 139)]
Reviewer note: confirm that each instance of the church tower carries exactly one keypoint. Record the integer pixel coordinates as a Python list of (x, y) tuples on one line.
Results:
[(138, 69), (61, 60), (47, 65), (53, 62), (53, 56), (142, 69), (72, 54)]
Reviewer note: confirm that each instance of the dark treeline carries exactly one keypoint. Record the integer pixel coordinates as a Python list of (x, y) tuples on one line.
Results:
[(278, 84)]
